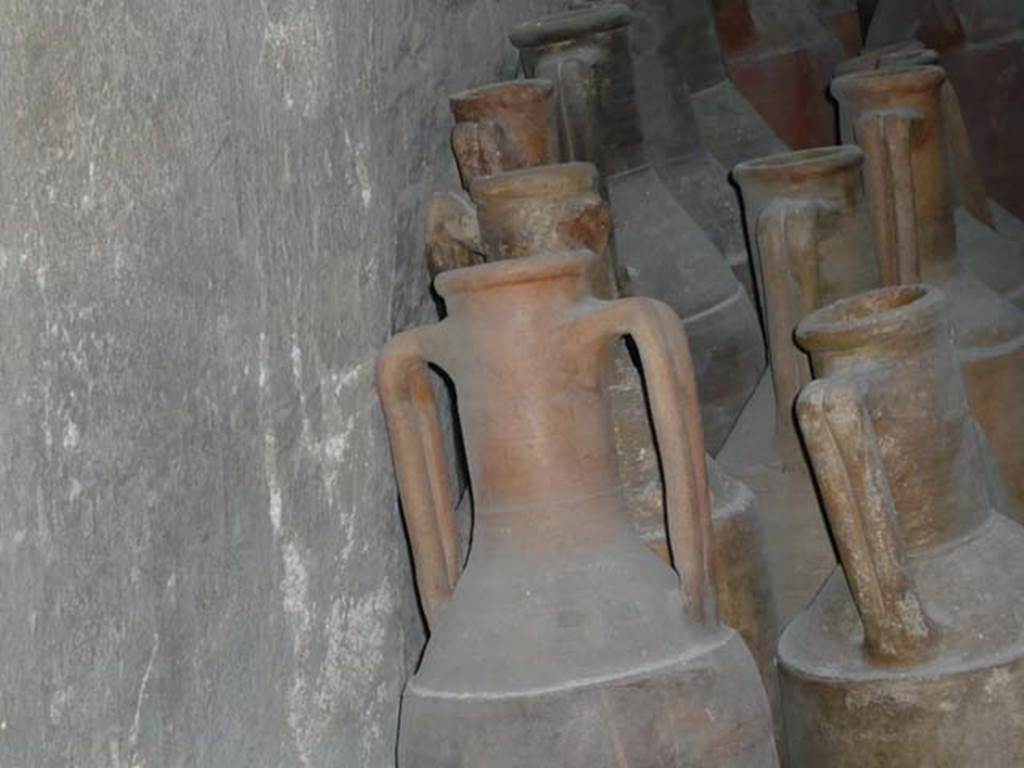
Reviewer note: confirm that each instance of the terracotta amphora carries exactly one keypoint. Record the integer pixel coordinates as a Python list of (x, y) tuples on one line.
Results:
[(565, 640), (980, 45), (990, 238), (809, 224), (555, 208), (897, 118), (664, 252), (912, 654), (781, 56)]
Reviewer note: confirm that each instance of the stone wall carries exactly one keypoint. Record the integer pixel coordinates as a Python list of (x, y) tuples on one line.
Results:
[(210, 220)]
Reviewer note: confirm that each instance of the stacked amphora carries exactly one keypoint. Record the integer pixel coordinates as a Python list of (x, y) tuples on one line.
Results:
[(565, 640), (808, 222), (663, 250), (990, 238), (526, 212), (912, 653), (498, 127), (897, 119)]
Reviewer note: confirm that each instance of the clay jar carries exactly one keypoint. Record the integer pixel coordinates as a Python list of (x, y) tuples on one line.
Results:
[(565, 641), (522, 214), (989, 237), (912, 653), (981, 45), (808, 222), (781, 57), (664, 252), (897, 117)]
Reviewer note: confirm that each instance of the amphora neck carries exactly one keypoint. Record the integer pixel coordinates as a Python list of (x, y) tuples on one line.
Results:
[(531, 400), (549, 208)]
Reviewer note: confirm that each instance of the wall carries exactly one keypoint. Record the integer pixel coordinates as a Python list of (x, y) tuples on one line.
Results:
[(210, 220)]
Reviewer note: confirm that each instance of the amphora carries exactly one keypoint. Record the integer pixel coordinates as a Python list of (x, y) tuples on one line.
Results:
[(897, 118), (912, 653), (565, 640), (809, 224), (664, 252), (527, 212)]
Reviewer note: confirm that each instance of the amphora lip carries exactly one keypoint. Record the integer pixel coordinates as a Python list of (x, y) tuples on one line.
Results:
[(868, 318), (800, 165), (546, 266), (887, 82)]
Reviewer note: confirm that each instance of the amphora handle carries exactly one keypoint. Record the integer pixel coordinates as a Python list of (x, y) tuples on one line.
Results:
[(574, 76), (885, 137), (787, 236), (410, 409), (847, 463), (671, 386)]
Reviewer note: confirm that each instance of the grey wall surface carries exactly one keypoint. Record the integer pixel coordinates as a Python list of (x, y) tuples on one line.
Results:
[(210, 220)]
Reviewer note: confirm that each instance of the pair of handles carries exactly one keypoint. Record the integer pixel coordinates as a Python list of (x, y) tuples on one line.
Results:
[(410, 409)]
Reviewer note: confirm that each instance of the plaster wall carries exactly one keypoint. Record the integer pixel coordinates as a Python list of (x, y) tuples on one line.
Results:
[(211, 218)]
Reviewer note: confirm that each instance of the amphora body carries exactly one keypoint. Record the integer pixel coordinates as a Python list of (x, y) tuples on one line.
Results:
[(897, 118), (665, 253), (912, 654), (565, 641), (808, 222)]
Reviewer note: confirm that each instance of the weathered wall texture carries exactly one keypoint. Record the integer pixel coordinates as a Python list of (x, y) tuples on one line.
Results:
[(210, 220)]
